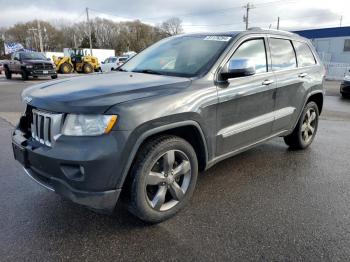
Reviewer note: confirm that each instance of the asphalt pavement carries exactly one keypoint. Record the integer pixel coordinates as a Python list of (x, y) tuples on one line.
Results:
[(267, 204)]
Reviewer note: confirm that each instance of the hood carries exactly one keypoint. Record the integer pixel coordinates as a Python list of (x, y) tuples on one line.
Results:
[(96, 93), (37, 62)]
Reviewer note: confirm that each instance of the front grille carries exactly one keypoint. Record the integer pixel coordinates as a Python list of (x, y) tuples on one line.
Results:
[(43, 66), (45, 127)]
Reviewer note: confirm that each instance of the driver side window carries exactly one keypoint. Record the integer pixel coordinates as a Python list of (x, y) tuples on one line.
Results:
[(254, 51)]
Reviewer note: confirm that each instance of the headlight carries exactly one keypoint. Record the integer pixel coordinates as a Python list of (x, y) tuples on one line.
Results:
[(88, 125), (29, 66)]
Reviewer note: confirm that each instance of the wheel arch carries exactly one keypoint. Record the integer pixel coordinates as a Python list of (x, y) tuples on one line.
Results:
[(188, 130), (316, 97)]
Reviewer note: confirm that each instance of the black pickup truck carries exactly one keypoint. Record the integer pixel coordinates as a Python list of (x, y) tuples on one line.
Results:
[(29, 64)]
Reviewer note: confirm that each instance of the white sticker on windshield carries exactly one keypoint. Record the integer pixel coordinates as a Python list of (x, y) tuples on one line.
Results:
[(217, 38)]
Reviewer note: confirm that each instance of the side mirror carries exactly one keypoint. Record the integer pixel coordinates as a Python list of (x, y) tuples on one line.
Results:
[(238, 68), (16, 58)]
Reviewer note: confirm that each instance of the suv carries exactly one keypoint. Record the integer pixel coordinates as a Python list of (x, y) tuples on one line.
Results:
[(28, 64), (177, 108), (112, 63)]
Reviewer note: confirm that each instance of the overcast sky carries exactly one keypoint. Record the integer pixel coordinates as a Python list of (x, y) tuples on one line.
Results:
[(197, 15)]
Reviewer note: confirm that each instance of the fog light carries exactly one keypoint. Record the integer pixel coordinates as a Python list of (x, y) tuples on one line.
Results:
[(73, 172)]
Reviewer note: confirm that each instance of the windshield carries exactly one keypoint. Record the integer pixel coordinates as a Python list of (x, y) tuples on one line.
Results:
[(185, 56), (33, 56)]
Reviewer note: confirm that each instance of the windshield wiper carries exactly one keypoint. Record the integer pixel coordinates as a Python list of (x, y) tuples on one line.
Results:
[(147, 71), (121, 70)]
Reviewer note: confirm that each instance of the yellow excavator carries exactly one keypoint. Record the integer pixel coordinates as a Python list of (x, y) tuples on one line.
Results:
[(75, 60)]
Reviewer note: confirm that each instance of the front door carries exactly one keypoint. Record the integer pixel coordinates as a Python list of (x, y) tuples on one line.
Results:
[(245, 111)]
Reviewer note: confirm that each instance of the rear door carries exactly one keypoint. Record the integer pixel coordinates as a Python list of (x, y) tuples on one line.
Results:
[(294, 66), (246, 103)]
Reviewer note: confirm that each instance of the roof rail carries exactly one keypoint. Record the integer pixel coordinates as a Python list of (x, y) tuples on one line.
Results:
[(254, 28), (271, 30)]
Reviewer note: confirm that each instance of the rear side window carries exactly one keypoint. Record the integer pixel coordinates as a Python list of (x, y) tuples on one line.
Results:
[(282, 54), (253, 50), (304, 54)]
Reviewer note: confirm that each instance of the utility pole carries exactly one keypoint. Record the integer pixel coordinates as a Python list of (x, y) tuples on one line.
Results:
[(341, 21), (40, 38), (75, 41), (278, 23), (89, 26), (33, 41), (246, 16)]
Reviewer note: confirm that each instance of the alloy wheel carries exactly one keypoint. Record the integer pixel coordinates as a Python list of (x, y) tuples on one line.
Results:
[(168, 180), (309, 125)]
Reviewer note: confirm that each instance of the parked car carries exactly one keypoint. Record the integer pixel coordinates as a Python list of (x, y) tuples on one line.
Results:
[(28, 64), (177, 108), (112, 63), (345, 87)]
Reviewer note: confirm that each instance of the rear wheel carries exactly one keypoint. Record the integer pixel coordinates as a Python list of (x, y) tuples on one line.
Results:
[(87, 68), (163, 178), (66, 68), (305, 131), (8, 73)]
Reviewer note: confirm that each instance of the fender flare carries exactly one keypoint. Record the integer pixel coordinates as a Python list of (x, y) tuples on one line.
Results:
[(306, 99), (155, 131)]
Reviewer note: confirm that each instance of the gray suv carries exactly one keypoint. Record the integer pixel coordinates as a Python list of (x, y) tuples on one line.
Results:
[(143, 133)]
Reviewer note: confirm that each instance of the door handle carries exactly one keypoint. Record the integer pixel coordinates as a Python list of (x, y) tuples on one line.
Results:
[(302, 75), (267, 82)]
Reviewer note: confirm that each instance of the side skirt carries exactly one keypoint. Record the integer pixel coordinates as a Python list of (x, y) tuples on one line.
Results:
[(245, 148)]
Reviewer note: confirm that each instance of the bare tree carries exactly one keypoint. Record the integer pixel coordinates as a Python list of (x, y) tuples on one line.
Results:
[(172, 26), (107, 34)]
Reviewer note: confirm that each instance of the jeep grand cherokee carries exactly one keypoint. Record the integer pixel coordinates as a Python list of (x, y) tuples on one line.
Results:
[(177, 108)]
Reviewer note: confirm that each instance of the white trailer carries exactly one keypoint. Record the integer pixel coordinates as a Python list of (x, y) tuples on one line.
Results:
[(51, 54)]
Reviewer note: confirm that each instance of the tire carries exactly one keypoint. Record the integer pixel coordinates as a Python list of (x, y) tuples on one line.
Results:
[(344, 95), (87, 68), (24, 74), (54, 77), (8, 73), (306, 129), (156, 198), (66, 68)]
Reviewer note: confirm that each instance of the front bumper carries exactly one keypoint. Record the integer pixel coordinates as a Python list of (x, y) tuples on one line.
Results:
[(82, 169), (104, 201), (345, 88), (41, 72)]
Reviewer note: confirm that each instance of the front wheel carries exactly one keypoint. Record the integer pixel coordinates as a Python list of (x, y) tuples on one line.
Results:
[(24, 74), (162, 179), (305, 131), (54, 77), (66, 68), (8, 73)]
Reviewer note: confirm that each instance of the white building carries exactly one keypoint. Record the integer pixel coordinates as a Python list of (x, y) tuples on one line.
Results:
[(333, 47)]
